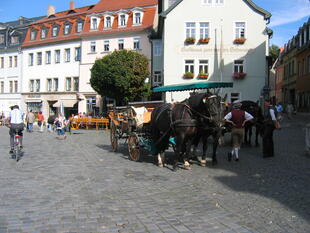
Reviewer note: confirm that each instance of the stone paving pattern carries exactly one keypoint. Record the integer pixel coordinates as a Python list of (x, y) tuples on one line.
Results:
[(79, 185)]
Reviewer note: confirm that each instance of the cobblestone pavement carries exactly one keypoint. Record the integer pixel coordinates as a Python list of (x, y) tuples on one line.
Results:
[(79, 185)]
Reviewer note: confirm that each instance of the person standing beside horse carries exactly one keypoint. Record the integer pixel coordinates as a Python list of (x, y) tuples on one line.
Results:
[(270, 124), (237, 118)]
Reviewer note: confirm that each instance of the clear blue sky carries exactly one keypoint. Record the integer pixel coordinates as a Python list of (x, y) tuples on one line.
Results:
[(287, 15)]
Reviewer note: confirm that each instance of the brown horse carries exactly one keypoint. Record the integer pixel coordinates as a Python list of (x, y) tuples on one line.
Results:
[(173, 120)]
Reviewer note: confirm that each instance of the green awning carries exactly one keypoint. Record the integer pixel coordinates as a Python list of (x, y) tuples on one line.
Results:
[(193, 86)]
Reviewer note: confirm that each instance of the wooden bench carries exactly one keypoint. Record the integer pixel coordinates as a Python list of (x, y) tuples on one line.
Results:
[(77, 123)]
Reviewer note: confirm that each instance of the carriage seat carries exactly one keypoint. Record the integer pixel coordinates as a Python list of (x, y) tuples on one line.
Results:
[(142, 116)]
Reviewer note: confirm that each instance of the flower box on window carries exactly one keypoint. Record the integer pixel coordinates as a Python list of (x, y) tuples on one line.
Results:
[(188, 75), (204, 40), (190, 40), (202, 75), (240, 40), (239, 75)]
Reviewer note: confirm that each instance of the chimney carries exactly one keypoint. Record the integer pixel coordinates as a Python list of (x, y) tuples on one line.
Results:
[(71, 5), (50, 10)]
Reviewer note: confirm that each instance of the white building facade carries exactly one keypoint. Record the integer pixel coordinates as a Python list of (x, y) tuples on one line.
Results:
[(213, 40)]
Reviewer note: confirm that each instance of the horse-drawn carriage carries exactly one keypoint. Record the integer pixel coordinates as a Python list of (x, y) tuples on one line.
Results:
[(140, 127)]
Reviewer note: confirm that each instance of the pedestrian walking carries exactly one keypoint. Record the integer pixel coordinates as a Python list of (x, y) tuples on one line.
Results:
[(60, 127), (290, 110), (237, 118), (30, 118), (40, 121), (50, 123), (279, 109), (270, 124)]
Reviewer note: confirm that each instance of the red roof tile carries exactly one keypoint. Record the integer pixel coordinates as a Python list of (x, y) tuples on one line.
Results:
[(112, 5)]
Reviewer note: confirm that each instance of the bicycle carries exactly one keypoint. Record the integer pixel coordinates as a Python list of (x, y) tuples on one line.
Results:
[(17, 147)]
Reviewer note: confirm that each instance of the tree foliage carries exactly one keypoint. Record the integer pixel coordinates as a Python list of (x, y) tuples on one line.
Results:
[(274, 52), (121, 76)]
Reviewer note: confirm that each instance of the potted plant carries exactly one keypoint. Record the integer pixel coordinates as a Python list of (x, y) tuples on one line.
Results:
[(203, 75), (240, 40), (239, 75), (190, 40), (204, 40), (188, 75)]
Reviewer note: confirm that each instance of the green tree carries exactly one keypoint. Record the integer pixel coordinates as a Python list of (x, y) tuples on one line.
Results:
[(121, 76), (274, 51)]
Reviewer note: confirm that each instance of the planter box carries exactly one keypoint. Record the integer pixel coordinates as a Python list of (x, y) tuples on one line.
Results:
[(204, 41), (239, 75), (188, 76), (239, 41), (190, 40), (203, 76)]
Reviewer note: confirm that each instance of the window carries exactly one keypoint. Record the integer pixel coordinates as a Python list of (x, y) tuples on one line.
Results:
[(78, 54), (120, 44), (57, 56), (137, 18), (93, 46), (14, 39), (67, 55), (31, 85), (308, 64), (189, 66), (2, 86), (94, 24), (30, 59), (38, 85), (238, 66), (213, 2), (10, 61), (15, 86), (204, 30), (48, 57), (33, 35), (157, 48), (136, 43), (190, 30), (55, 31), (106, 46), (67, 29), (1, 38), (79, 27), (218, 2), (122, 21), (68, 84), (108, 22), (43, 33), (203, 66), (49, 84), (2, 62), (239, 30), (234, 97), (55, 84), (157, 78), (11, 86), (15, 61), (76, 84), (39, 58), (91, 103)]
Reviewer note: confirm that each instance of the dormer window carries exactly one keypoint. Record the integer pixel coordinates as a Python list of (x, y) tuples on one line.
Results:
[(43, 33), (122, 20), (137, 18), (94, 23), (108, 23), (33, 35), (79, 27), (55, 31), (14, 39), (67, 29)]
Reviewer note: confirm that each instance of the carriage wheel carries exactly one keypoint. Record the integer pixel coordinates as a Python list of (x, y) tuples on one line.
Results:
[(134, 147), (113, 137)]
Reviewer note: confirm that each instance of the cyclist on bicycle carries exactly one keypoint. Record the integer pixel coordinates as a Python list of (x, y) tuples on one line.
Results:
[(15, 123)]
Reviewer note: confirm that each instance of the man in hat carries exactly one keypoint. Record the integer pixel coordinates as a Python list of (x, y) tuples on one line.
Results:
[(237, 117), (270, 124)]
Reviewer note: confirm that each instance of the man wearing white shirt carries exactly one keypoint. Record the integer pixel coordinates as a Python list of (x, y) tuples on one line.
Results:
[(15, 123)]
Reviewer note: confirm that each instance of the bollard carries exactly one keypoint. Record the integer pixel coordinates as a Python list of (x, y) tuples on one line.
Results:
[(307, 139)]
